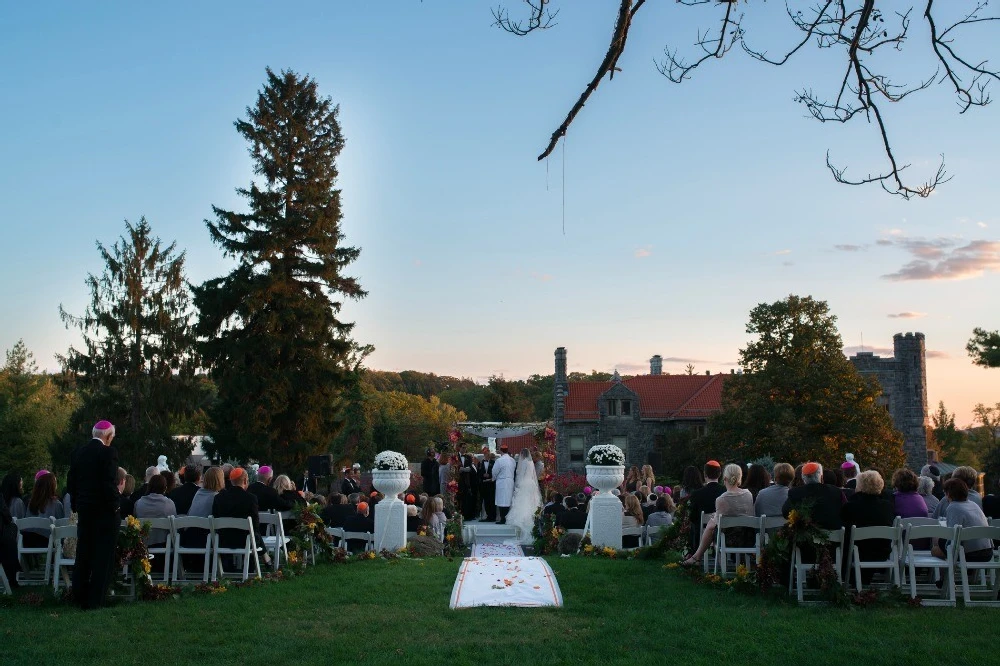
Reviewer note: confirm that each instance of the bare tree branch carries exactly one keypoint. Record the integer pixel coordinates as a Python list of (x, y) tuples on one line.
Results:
[(539, 19)]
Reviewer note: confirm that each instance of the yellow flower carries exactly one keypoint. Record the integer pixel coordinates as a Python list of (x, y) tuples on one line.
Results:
[(132, 522), (588, 549), (293, 557), (146, 567), (793, 516), (672, 565), (741, 571)]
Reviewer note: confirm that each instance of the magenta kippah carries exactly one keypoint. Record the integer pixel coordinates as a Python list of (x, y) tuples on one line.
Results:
[(103, 425), (265, 470), (41, 473), (846, 465)]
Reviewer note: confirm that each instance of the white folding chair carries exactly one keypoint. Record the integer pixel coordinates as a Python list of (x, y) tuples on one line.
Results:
[(636, 532), (337, 534), (275, 541), (723, 550), (800, 570), (768, 526), (158, 527), (367, 537), (709, 552), (875, 533), (246, 552), (182, 523), (4, 583), (987, 571), (923, 559), (61, 561), (904, 525), (27, 575), (61, 522)]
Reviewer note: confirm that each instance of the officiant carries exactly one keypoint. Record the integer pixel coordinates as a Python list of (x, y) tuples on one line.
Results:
[(503, 477)]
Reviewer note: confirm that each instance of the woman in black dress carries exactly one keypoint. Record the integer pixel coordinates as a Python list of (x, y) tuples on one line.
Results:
[(468, 488)]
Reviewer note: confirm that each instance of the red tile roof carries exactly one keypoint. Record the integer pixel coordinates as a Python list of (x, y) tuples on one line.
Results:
[(660, 396), (515, 444)]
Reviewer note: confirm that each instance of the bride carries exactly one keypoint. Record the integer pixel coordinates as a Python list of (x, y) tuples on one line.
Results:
[(527, 498)]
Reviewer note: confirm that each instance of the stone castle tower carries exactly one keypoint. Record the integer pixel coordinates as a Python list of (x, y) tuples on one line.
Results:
[(903, 379)]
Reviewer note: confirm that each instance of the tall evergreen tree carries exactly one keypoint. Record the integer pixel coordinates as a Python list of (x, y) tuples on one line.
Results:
[(273, 339), (138, 362), (799, 398)]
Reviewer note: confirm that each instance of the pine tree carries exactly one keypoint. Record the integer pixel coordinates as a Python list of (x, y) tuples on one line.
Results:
[(138, 365), (279, 353), (799, 398)]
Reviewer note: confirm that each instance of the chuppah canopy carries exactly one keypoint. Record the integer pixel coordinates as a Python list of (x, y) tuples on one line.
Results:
[(493, 430)]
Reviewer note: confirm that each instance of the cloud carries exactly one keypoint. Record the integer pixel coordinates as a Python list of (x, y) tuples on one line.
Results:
[(850, 248), (541, 277), (783, 252), (932, 353), (641, 252), (907, 315), (632, 368), (944, 259), (982, 225)]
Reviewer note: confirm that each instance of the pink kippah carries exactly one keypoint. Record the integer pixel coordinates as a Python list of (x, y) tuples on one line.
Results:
[(103, 425), (265, 470), (847, 465), (41, 473)]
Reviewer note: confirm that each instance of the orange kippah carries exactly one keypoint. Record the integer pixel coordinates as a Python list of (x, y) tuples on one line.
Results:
[(236, 473), (713, 463), (373, 494), (810, 468), (362, 507)]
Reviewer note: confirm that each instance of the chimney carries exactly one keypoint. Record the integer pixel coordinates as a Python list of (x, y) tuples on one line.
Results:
[(708, 372), (656, 365), (560, 377)]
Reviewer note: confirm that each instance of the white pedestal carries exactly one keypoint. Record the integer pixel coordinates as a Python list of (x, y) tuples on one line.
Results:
[(390, 525), (606, 521)]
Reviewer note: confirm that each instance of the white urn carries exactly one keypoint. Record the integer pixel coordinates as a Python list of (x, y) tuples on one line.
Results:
[(391, 482), (605, 477)]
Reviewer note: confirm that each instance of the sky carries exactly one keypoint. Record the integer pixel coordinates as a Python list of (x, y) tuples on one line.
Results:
[(669, 212)]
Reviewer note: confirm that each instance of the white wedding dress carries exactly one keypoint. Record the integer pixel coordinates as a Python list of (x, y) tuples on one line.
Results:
[(527, 499)]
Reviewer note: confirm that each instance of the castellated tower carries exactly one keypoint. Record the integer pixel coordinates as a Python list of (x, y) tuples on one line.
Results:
[(559, 392), (903, 379)]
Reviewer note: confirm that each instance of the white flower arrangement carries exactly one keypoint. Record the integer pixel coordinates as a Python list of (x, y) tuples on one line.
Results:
[(391, 460), (606, 454)]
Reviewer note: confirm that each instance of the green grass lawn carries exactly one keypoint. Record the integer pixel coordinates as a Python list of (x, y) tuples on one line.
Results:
[(616, 612)]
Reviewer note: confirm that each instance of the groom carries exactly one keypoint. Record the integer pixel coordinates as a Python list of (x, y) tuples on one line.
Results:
[(503, 476)]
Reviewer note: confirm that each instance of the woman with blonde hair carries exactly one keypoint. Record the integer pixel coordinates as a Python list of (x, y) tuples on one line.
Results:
[(735, 501), (632, 518), (646, 477)]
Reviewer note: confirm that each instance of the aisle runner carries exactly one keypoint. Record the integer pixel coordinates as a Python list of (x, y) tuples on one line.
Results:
[(497, 550), (505, 581)]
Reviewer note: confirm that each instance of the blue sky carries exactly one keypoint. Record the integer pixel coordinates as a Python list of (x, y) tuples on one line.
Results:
[(685, 206)]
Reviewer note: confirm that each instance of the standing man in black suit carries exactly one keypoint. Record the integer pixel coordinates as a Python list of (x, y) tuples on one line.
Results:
[(430, 470), (349, 485), (487, 486), (93, 489), (703, 499), (184, 493)]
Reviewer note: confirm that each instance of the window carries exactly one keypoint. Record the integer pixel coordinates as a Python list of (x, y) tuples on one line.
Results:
[(620, 442), (699, 430), (626, 409), (612, 408), (619, 407), (576, 449)]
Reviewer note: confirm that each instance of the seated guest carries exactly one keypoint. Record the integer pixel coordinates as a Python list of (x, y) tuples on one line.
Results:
[(126, 507), (868, 508), (12, 489), (170, 479), (850, 471), (44, 503), (770, 499), (823, 502), (236, 502), (907, 501), (934, 474), (8, 544), (631, 518), (227, 471), (663, 513), (702, 501), (757, 479), (286, 491), (991, 503), (184, 493), (735, 501), (151, 471), (360, 521), (572, 518), (962, 511), (690, 482), (969, 477), (201, 507), (155, 505), (925, 487), (413, 522), (336, 510), (268, 498), (434, 516), (555, 506)]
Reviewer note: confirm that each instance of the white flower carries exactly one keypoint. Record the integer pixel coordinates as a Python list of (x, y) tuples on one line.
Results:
[(391, 460), (606, 454)]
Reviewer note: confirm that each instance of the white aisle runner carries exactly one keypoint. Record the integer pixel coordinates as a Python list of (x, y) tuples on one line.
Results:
[(505, 581), (497, 550)]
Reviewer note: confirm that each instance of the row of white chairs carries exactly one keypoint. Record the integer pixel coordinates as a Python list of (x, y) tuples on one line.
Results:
[(167, 553), (905, 540)]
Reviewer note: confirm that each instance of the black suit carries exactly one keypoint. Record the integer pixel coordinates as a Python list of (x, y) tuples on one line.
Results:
[(349, 485), (432, 478), (358, 523), (126, 507), (702, 501), (334, 515), (572, 519), (236, 503), (825, 502), (182, 496), (268, 498), (93, 489), (488, 488), (553, 509)]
